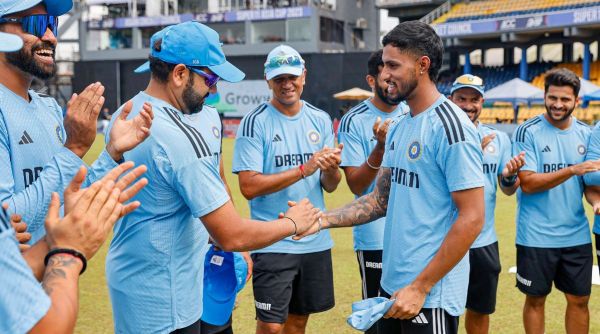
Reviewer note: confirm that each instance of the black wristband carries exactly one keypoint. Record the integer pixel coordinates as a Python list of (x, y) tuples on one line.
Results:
[(293, 222), (508, 181), (67, 251)]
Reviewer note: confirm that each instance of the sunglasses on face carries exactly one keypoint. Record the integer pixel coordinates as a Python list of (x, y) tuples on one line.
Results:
[(469, 80), (278, 61), (35, 24), (209, 79)]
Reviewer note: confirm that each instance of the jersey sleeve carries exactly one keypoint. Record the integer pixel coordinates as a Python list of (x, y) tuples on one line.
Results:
[(461, 160), (505, 150), (328, 137), (248, 152), (23, 302), (196, 180), (352, 154), (593, 153), (526, 145), (32, 202)]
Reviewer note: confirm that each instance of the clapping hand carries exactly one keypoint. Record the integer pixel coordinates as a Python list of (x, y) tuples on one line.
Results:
[(126, 134)]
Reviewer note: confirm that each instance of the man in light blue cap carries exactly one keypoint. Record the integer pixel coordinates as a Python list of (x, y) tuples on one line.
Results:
[(40, 149), (155, 262), (500, 168)]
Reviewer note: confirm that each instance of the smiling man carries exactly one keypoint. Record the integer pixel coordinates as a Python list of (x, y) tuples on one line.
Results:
[(429, 188), (40, 149), (154, 266), (501, 170), (553, 235), (284, 151)]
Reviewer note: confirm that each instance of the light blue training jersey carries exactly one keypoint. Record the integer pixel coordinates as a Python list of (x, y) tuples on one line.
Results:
[(554, 218), (430, 156), (270, 142), (495, 156), (593, 179), (356, 133), (33, 160), (154, 266), (23, 302)]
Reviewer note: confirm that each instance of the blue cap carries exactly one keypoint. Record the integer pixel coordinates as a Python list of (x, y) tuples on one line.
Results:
[(468, 81), (283, 60), (10, 42), (192, 44), (53, 7), (224, 275)]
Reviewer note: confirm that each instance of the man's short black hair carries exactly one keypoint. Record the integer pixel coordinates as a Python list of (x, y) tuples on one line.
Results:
[(375, 63), (418, 38), (562, 77), (159, 69)]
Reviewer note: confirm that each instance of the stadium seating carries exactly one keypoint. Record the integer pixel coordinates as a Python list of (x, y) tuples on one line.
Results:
[(478, 10), (575, 67), (493, 76)]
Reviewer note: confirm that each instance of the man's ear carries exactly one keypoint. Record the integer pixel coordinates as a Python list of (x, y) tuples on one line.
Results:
[(180, 75), (370, 80)]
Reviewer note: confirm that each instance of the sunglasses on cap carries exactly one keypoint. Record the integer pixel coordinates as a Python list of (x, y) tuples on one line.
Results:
[(471, 80), (35, 24), (279, 61), (209, 79)]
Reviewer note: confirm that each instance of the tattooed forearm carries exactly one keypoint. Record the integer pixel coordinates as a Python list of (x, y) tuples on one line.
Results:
[(366, 208), (57, 270)]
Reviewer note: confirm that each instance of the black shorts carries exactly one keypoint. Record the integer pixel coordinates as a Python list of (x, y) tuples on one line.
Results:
[(570, 269), (428, 321), (291, 283), (206, 328), (369, 265), (483, 278), (201, 327)]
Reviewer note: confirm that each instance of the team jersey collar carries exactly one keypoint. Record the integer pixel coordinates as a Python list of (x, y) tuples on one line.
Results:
[(557, 130), (381, 113), (32, 95), (282, 115), (435, 104)]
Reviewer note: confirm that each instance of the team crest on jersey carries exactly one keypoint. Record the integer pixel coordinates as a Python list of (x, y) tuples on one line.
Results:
[(490, 148), (216, 131), (414, 150), (59, 134), (581, 149), (314, 137)]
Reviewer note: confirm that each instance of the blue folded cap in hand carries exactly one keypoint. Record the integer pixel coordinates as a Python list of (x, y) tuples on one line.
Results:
[(224, 276), (366, 312)]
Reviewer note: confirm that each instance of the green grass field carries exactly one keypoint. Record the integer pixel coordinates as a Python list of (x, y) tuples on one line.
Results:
[(95, 312)]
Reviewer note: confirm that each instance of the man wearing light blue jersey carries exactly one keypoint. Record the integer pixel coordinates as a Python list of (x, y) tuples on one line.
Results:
[(429, 188), (155, 262), (362, 131), (554, 245), (40, 149), (592, 184), (284, 151), (498, 169), (52, 307)]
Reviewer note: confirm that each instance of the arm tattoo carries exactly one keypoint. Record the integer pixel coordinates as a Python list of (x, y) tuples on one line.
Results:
[(366, 208), (55, 271)]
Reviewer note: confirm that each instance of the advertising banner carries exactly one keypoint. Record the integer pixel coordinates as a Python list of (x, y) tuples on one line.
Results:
[(238, 99), (575, 17), (233, 16)]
